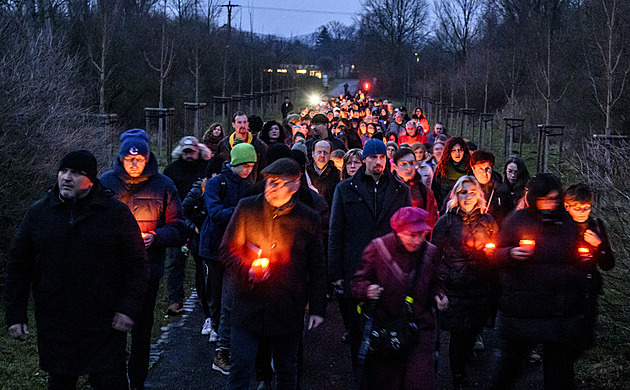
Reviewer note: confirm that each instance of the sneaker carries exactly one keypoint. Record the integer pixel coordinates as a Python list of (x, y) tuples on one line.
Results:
[(479, 344), (213, 336), (207, 327), (175, 309), (221, 361), (534, 355)]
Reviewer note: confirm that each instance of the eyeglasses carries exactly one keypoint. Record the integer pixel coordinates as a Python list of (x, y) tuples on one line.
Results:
[(136, 159), (278, 183)]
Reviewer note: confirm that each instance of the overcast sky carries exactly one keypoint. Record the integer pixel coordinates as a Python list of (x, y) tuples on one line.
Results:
[(286, 18)]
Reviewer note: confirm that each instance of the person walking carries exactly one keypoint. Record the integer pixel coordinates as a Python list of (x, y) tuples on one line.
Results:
[(81, 253), (153, 199)]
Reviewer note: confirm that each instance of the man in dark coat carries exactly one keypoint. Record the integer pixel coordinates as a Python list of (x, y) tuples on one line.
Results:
[(542, 287), (319, 126), (361, 209), (322, 171), (191, 158), (240, 123), (272, 247), (153, 200), (81, 252)]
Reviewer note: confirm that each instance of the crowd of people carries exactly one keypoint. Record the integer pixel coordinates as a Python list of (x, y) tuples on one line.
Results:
[(352, 199)]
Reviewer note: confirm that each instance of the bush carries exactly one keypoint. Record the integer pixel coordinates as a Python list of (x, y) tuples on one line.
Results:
[(41, 118)]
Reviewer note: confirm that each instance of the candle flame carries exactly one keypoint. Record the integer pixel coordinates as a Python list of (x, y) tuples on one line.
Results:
[(526, 242), (583, 251), (490, 246)]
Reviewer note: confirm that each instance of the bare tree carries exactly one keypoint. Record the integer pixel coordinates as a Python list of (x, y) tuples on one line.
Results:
[(605, 53), (459, 22)]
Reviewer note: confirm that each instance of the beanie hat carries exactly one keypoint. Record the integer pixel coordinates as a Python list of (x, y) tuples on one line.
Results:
[(374, 146), (134, 142), (285, 166), (242, 153), (82, 161), (409, 219), (391, 143), (300, 145)]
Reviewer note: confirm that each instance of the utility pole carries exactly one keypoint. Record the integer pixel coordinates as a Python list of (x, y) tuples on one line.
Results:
[(229, 7)]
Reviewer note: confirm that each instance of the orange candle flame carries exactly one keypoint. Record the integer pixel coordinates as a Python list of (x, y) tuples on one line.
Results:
[(583, 251)]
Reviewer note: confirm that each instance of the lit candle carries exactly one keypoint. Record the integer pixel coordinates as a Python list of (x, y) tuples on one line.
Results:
[(584, 253), (144, 234), (260, 269), (527, 244), (489, 248)]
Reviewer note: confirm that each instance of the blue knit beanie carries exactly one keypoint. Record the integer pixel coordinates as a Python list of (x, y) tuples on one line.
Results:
[(134, 142), (374, 146)]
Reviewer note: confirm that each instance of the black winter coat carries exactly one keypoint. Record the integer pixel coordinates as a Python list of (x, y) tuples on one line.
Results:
[(291, 240), (542, 299), (155, 205), (465, 267), (326, 182), (185, 173), (84, 261), (355, 220)]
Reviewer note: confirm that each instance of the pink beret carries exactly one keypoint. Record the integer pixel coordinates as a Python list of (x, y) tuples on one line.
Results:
[(409, 219)]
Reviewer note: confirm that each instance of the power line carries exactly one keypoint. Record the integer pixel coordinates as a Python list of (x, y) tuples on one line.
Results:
[(299, 10)]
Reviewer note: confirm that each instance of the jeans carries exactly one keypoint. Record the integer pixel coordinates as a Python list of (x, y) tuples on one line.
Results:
[(138, 366), (175, 273), (227, 297), (243, 355), (215, 290)]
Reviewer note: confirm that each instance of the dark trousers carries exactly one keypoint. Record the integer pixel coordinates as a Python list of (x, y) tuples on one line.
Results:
[(214, 285), (352, 322), (138, 366), (244, 348), (175, 273), (558, 365), (114, 378), (460, 350), (201, 283), (264, 370)]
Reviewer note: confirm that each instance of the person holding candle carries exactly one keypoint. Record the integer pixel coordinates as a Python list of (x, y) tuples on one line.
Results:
[(386, 269), (595, 248), (461, 236), (222, 194), (542, 288), (153, 199), (273, 249)]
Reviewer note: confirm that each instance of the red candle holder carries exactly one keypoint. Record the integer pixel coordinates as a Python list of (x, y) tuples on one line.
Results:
[(527, 244), (585, 253), (260, 268), (489, 248)]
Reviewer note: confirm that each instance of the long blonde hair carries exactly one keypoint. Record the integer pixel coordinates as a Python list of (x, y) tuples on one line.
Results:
[(453, 203)]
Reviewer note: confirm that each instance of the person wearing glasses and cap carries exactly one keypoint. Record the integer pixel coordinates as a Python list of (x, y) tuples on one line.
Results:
[(153, 199), (273, 249)]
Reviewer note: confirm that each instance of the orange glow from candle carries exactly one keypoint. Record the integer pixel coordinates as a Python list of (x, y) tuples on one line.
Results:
[(489, 248), (583, 251), (144, 234), (260, 269), (527, 244)]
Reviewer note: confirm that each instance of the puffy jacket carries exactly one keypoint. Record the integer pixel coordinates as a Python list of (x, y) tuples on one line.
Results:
[(155, 205), (465, 267), (542, 298), (222, 194), (185, 173)]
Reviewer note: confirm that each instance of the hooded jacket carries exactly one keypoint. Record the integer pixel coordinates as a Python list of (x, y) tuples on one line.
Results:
[(155, 205)]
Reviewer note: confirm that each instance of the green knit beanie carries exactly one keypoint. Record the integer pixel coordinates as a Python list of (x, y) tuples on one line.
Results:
[(242, 153)]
